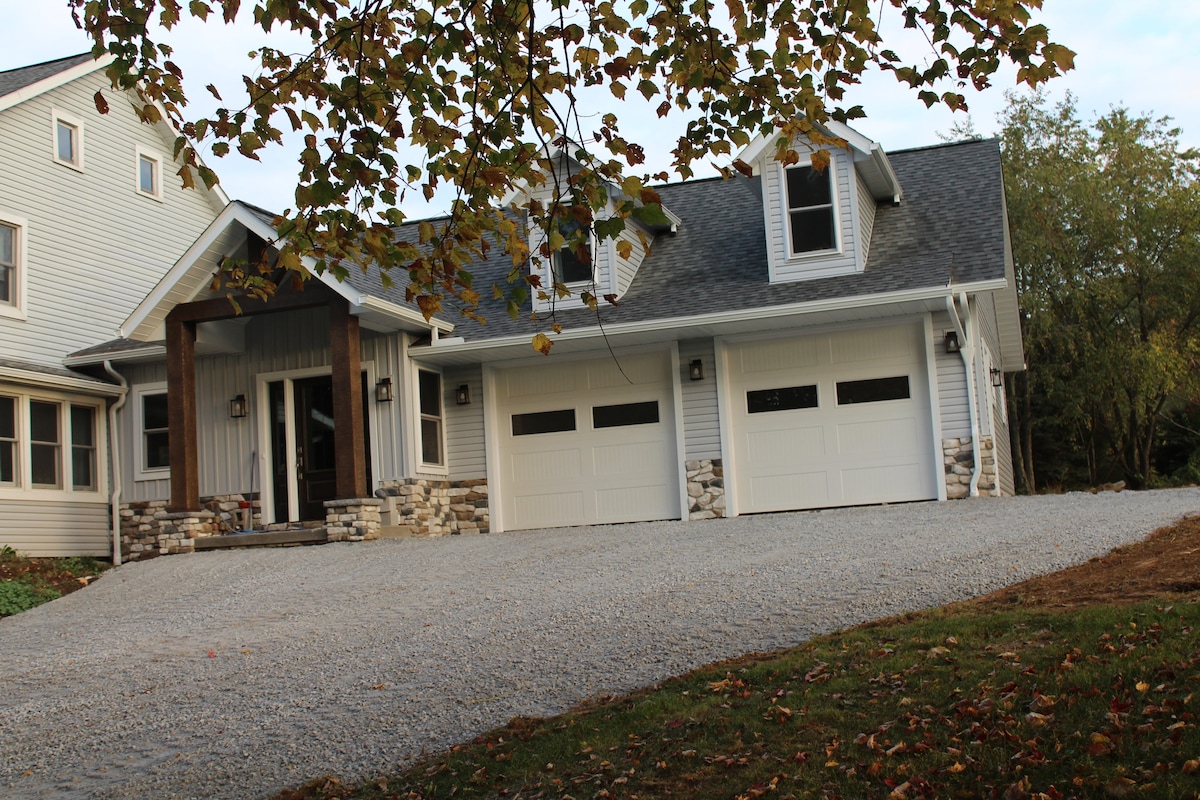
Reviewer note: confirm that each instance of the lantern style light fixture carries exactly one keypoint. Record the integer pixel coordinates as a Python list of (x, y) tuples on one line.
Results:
[(383, 390), (997, 378), (237, 407), (952, 344), (696, 370), (462, 395)]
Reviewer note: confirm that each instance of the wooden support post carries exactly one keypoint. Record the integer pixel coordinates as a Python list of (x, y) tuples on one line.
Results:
[(181, 414), (351, 452)]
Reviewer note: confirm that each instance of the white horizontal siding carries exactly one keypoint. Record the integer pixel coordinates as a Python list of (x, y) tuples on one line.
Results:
[(951, 383), (701, 419), (627, 267), (783, 266), (94, 246), (466, 451), (50, 529)]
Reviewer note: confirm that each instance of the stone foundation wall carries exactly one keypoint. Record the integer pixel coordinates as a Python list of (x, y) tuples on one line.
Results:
[(355, 520), (439, 508), (228, 511), (705, 488), (149, 530), (958, 456)]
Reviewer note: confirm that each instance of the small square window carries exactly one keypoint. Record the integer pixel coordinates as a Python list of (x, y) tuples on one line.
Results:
[(68, 140), (149, 174)]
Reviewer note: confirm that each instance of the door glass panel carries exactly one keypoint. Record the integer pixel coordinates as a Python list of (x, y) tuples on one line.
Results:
[(321, 452), (543, 422), (625, 414), (875, 390), (761, 401)]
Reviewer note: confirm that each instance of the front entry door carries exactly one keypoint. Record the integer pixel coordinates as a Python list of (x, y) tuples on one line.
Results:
[(316, 465), (303, 455)]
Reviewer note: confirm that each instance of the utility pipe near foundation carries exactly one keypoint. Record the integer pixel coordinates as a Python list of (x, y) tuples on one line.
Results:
[(962, 326), (114, 459)]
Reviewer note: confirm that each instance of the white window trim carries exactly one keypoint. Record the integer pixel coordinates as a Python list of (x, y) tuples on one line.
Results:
[(15, 309), (140, 153), (140, 472), (418, 456), (66, 118), (593, 285), (835, 201), (24, 488)]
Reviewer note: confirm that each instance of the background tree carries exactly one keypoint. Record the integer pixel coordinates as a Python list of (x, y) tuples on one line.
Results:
[(477, 90), (1106, 237)]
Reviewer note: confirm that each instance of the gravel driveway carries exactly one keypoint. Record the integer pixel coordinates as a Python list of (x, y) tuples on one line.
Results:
[(235, 674)]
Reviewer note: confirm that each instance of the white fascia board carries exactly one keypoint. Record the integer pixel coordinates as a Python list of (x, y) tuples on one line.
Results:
[(156, 352), (53, 82), (403, 314), (751, 152), (727, 317), (61, 382), (882, 163)]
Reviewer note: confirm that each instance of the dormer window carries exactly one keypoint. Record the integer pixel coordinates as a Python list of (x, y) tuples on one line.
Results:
[(812, 222), (569, 263)]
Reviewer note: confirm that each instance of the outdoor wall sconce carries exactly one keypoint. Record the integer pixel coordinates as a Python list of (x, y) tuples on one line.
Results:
[(952, 345), (696, 370), (462, 395), (997, 378), (237, 407), (383, 390)]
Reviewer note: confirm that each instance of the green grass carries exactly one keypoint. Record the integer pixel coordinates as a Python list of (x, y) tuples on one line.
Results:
[(1100, 702), (18, 596)]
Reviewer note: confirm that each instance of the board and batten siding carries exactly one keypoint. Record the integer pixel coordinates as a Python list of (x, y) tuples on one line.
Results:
[(229, 448), (94, 246), (466, 450), (783, 267), (701, 418), (59, 528), (866, 216), (951, 383)]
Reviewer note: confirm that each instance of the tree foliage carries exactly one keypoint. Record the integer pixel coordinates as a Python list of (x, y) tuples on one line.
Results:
[(406, 96), (1106, 239)]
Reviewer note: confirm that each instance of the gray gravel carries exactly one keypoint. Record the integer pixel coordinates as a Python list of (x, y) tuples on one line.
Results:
[(350, 659)]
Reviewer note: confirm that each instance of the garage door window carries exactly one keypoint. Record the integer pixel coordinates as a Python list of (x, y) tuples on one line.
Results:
[(625, 414), (543, 422), (761, 401), (875, 390)]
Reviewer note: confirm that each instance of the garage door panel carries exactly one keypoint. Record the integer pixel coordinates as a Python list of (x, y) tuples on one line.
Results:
[(533, 382), (878, 438), (784, 447), (807, 450), (642, 502), (881, 484), (622, 373), (545, 465), (548, 510), (783, 492), (630, 459)]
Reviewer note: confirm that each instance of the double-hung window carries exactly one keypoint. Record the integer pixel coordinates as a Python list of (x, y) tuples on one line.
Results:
[(573, 262), (9, 443), (429, 390), (68, 140), (810, 210), (83, 448), (45, 445), (10, 242), (152, 454), (49, 444)]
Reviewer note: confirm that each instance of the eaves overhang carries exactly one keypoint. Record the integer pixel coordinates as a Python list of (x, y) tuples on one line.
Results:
[(63, 383), (724, 323)]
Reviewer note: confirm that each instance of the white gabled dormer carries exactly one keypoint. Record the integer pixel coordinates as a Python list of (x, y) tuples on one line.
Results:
[(818, 223), (609, 265)]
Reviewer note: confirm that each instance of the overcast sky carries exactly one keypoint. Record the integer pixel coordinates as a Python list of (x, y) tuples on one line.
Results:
[(1146, 60)]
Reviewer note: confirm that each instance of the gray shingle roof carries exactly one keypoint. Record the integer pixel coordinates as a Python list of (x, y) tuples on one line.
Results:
[(115, 347), (949, 227), (13, 80), (44, 369)]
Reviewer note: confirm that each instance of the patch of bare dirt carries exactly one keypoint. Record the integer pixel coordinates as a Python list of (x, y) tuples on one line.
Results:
[(1165, 563)]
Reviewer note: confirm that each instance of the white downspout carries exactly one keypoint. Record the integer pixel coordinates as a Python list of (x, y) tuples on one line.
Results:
[(967, 351), (114, 457)]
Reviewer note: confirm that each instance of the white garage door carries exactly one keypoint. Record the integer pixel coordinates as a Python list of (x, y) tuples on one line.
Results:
[(587, 442), (831, 420)]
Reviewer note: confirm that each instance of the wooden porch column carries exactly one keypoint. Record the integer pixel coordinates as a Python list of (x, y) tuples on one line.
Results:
[(181, 414), (351, 452)]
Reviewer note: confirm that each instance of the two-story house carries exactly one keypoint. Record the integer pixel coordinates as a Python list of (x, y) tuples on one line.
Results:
[(91, 216), (798, 339)]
